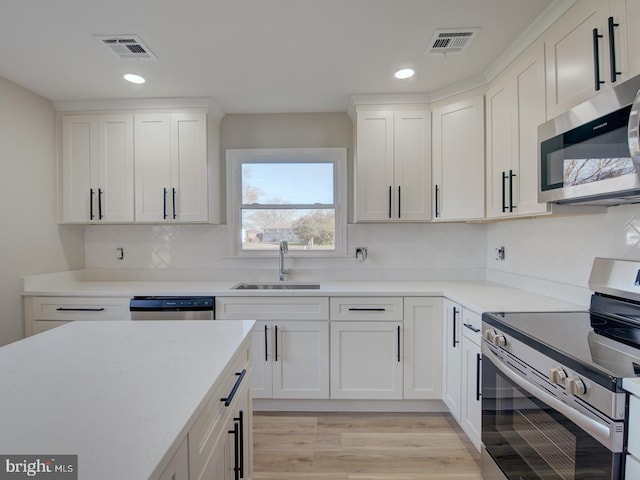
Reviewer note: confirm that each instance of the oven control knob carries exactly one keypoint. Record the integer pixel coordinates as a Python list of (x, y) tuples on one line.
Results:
[(489, 334), (557, 376), (499, 340), (575, 386)]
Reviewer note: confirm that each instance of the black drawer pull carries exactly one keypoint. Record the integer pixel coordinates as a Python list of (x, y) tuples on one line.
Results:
[(470, 327), (227, 401), (62, 309), (367, 309)]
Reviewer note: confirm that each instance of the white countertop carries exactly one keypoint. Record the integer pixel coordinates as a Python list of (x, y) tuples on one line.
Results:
[(120, 395), (632, 385), (477, 296)]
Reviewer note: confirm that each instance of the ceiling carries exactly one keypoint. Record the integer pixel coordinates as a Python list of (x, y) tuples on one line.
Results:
[(251, 56)]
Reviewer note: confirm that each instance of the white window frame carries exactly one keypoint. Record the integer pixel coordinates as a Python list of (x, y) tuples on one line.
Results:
[(234, 160)]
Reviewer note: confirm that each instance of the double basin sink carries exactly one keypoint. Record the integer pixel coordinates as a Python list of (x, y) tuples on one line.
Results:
[(276, 286)]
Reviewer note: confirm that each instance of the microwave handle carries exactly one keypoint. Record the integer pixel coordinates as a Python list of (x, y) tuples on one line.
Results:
[(633, 131)]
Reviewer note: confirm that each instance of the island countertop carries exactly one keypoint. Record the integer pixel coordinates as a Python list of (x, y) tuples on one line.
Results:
[(120, 395)]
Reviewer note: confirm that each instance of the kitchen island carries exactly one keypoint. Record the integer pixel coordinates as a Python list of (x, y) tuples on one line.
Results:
[(123, 396)]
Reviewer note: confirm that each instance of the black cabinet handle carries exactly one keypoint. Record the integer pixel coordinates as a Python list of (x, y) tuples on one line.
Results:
[(504, 193), (612, 50), (100, 204), (164, 204), (436, 198), (399, 202), (455, 315), (511, 176), (236, 450), (367, 309), (596, 60), (389, 201), (91, 215), (173, 202), (266, 343), (470, 327), (227, 400), (478, 361), (276, 349), (398, 343), (240, 420), (64, 309)]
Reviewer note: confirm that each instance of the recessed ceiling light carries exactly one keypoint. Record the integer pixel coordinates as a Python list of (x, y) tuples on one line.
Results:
[(133, 78), (404, 73)]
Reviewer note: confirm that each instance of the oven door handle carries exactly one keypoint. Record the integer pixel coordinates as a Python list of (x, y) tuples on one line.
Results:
[(599, 431)]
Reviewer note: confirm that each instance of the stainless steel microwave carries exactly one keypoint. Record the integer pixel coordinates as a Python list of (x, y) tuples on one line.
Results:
[(588, 155)]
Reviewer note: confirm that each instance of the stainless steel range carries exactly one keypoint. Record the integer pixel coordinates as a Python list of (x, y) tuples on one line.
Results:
[(552, 400)]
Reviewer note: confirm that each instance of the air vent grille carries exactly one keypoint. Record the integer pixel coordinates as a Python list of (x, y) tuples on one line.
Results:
[(451, 40), (127, 47)]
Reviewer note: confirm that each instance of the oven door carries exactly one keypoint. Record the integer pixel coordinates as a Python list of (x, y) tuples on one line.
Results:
[(527, 439)]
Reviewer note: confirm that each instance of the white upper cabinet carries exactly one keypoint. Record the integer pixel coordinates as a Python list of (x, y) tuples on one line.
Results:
[(171, 167), (97, 168), (458, 160), (515, 108), (393, 164), (589, 48)]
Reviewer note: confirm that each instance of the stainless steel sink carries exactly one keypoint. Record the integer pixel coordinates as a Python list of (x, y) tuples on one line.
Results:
[(276, 286)]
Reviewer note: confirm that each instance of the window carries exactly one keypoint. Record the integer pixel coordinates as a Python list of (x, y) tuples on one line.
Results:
[(296, 194)]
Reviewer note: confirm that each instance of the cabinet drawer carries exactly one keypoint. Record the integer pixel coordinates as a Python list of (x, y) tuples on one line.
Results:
[(212, 420), (80, 308), (632, 468), (471, 326), (272, 308), (366, 308)]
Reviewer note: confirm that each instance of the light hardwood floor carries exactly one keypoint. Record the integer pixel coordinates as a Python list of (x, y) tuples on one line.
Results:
[(377, 446)]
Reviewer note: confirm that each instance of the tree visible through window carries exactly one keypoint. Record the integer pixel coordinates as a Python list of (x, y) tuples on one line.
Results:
[(287, 197)]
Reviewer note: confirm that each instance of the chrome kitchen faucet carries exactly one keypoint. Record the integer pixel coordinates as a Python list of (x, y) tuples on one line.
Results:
[(284, 248)]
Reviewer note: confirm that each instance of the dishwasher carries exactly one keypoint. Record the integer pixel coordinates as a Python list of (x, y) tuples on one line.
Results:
[(172, 308)]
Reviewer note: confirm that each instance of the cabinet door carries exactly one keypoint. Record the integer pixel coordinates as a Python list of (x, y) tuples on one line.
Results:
[(569, 51), (178, 468), (115, 168), (366, 360), (412, 165), (189, 196), (501, 123), (262, 356), (529, 75), (300, 359), (152, 167), (626, 13), (79, 167), (422, 348), (452, 357), (374, 166), (471, 412), (458, 160)]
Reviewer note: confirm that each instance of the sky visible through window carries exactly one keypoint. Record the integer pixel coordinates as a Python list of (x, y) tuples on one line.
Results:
[(288, 183)]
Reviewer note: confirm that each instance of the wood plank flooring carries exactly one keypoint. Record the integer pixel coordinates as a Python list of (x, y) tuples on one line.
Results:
[(372, 446)]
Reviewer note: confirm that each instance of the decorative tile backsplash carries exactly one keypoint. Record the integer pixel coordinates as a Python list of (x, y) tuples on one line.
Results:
[(552, 255), (396, 251)]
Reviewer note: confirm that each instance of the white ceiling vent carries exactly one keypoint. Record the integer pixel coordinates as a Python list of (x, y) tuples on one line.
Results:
[(127, 47), (452, 40)]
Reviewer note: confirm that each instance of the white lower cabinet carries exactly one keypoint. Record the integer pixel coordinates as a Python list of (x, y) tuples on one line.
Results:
[(452, 357), (178, 468), (471, 405), (290, 344), (44, 313), (422, 341), (366, 348), (220, 442), (366, 360)]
